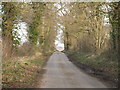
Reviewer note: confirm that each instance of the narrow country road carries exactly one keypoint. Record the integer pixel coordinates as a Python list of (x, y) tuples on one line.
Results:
[(61, 73)]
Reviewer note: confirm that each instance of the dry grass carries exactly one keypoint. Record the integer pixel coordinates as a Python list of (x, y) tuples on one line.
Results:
[(21, 71)]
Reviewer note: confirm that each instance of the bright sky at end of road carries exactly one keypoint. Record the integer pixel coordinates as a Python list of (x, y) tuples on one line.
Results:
[(59, 44), (59, 41)]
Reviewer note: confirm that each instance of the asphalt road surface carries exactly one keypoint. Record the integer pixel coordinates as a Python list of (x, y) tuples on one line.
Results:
[(61, 73)]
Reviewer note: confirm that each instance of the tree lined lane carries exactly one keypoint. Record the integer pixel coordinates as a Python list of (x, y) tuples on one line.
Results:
[(61, 73)]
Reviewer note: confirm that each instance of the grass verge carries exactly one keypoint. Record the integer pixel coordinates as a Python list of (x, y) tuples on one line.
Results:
[(97, 65), (21, 73)]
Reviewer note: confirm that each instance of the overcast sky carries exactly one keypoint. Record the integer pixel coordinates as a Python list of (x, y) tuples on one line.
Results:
[(22, 32)]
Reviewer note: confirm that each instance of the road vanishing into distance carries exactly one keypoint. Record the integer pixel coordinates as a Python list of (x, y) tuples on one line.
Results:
[(61, 73)]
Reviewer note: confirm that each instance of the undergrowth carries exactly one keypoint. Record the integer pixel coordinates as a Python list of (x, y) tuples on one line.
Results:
[(97, 62), (20, 73)]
